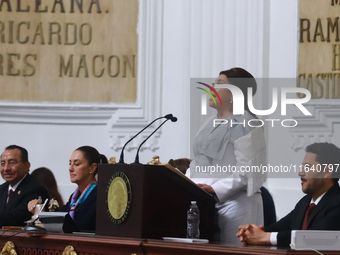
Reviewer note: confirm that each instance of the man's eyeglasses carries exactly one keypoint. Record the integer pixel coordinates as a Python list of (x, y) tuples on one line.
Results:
[(10, 163)]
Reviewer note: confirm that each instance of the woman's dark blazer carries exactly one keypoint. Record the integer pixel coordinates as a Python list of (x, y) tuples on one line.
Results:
[(85, 214)]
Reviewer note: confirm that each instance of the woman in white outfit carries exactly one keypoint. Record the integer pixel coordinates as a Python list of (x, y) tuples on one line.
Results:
[(238, 197)]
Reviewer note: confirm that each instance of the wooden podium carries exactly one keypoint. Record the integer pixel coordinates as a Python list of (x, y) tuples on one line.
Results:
[(156, 199)]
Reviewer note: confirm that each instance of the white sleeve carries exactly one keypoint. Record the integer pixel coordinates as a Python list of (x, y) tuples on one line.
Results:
[(228, 187), (273, 238)]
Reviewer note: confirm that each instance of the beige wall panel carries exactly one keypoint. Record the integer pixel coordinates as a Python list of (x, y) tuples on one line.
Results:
[(100, 49), (319, 64)]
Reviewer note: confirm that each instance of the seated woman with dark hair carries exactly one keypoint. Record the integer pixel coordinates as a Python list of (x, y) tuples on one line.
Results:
[(82, 203), (46, 178), (81, 206)]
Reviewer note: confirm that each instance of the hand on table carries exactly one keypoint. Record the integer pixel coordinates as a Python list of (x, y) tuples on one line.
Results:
[(206, 188), (31, 205), (253, 234)]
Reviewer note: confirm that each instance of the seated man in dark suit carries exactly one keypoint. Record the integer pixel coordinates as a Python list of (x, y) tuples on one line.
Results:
[(20, 187), (318, 210)]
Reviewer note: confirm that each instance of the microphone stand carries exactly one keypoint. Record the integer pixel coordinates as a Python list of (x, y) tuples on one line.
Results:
[(173, 119), (121, 159)]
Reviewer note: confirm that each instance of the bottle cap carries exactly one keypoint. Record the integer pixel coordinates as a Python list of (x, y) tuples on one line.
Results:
[(193, 202)]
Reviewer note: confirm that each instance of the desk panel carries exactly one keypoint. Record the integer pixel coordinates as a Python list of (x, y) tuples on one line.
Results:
[(54, 244)]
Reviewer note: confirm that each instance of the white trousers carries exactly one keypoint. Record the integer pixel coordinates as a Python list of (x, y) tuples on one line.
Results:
[(239, 210)]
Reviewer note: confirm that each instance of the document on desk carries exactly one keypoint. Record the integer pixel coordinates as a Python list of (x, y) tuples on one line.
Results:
[(185, 240), (53, 221)]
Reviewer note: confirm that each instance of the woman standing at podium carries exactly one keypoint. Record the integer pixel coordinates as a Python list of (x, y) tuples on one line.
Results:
[(238, 197)]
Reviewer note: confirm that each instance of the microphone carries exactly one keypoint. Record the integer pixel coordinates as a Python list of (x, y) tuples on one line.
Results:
[(121, 159), (173, 119), (34, 229)]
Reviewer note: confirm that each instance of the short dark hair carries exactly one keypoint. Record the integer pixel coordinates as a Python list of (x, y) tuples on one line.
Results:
[(91, 154), (327, 153), (242, 79), (23, 151)]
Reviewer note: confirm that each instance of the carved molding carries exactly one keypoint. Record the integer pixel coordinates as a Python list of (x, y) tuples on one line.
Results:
[(319, 127), (117, 142), (130, 119), (45, 113)]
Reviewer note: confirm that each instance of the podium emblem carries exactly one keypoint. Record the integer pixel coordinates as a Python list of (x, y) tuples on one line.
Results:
[(119, 197)]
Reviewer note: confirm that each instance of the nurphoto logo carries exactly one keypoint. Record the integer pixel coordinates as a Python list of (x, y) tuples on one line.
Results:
[(238, 104)]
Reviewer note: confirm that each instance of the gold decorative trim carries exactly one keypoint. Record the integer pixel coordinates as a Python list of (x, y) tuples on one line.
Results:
[(9, 249), (69, 250)]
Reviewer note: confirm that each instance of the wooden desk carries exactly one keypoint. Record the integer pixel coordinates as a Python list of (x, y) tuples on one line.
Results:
[(54, 244), (153, 247)]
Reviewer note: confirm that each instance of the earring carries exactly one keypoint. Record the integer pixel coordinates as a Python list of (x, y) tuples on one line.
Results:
[(90, 172), (231, 101)]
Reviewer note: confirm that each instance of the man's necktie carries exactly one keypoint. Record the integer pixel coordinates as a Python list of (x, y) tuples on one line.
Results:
[(9, 195), (308, 213)]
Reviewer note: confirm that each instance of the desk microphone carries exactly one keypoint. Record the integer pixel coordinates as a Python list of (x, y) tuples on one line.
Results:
[(34, 229), (173, 119), (121, 159)]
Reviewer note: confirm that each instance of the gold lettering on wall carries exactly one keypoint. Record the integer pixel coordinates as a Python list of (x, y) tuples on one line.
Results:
[(69, 51)]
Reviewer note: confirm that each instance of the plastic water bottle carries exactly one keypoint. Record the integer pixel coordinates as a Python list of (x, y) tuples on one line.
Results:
[(193, 221)]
